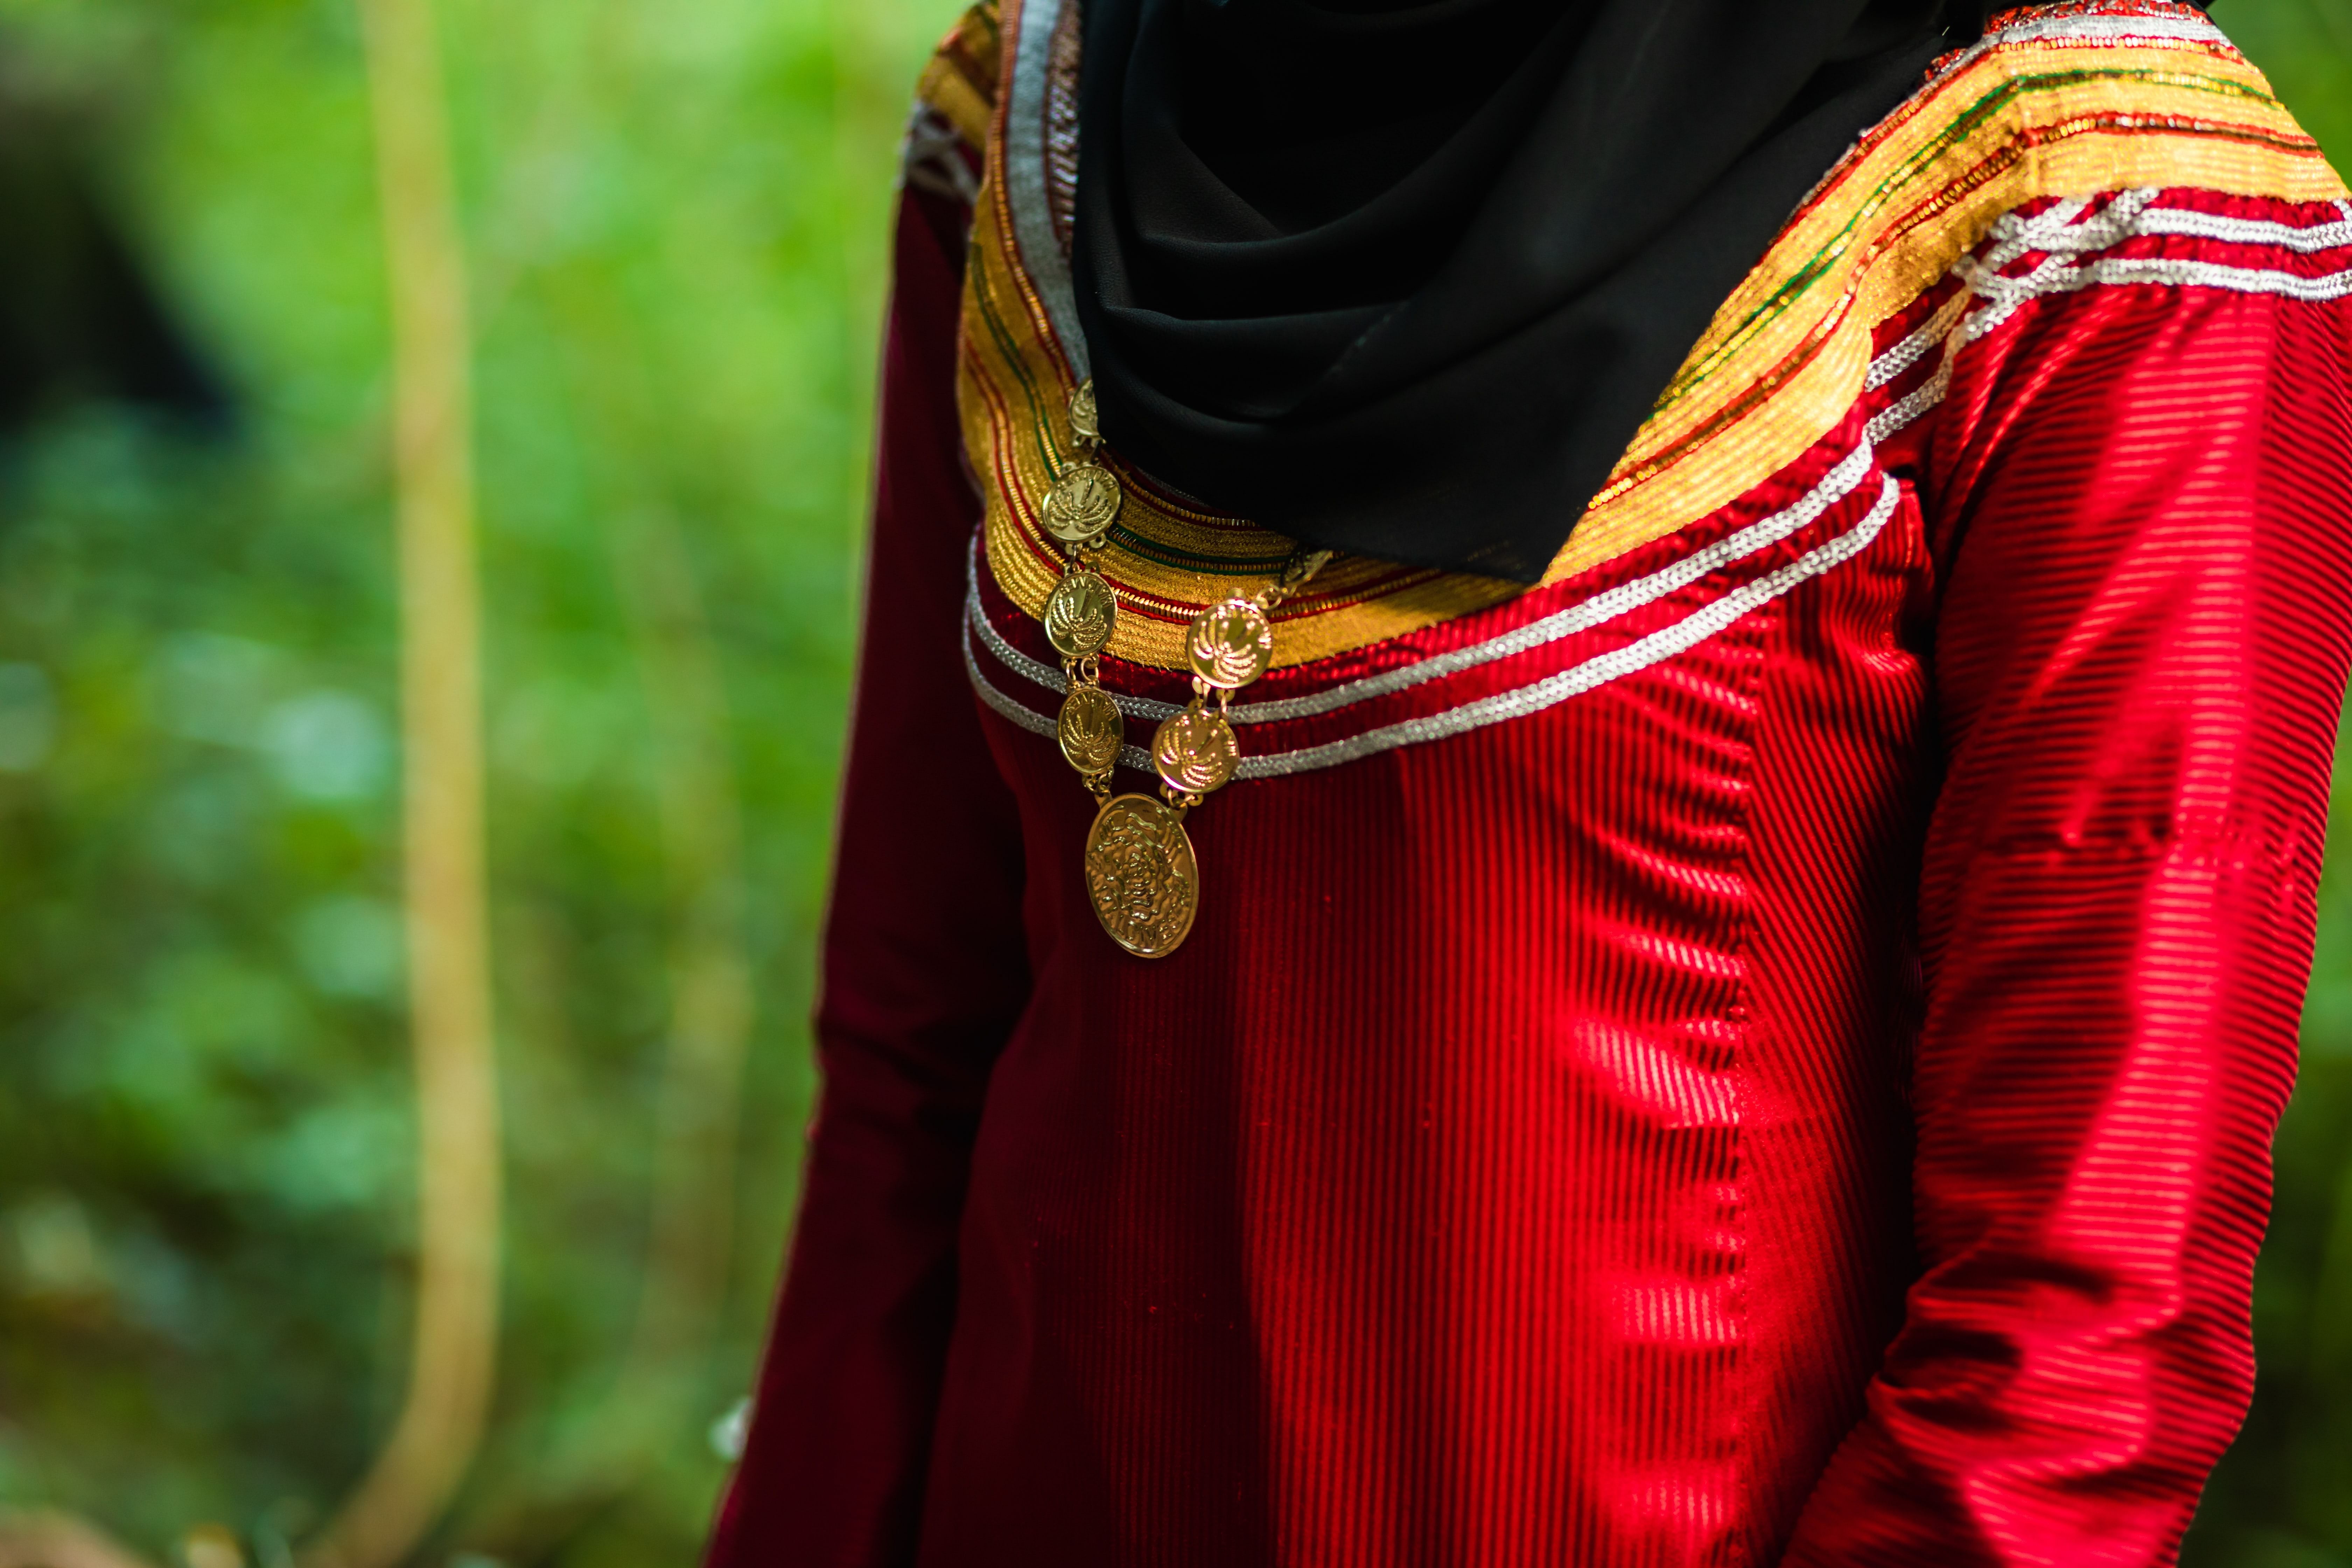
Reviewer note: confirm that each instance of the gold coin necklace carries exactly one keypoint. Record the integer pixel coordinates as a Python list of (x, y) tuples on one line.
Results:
[(1142, 876)]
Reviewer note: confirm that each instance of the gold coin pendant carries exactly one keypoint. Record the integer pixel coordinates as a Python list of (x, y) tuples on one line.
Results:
[(1090, 730), (1231, 644), (1140, 875), (1082, 422), (1195, 752), (1081, 613), (1082, 503)]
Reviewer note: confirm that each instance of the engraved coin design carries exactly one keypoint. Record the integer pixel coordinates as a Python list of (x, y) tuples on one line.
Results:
[(1231, 644), (1195, 752), (1080, 614), (1090, 730), (1082, 503), (1083, 424), (1140, 875)]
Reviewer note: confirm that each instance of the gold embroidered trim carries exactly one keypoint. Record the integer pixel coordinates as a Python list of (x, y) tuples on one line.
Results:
[(960, 80), (1780, 365)]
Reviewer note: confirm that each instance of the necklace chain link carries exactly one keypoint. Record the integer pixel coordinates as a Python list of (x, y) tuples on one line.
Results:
[(1140, 872)]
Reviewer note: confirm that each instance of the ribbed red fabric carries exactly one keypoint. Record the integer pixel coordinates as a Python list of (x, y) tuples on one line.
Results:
[(1802, 1100), (2141, 499)]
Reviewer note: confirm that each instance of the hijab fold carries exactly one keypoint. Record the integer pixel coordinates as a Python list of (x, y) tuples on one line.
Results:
[(1404, 276)]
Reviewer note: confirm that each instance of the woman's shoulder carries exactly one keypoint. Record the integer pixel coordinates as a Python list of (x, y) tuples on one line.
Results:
[(960, 79), (2100, 95), (955, 100), (2054, 103)]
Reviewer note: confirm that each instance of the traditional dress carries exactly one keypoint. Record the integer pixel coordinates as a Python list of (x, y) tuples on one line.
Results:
[(1760, 1047)]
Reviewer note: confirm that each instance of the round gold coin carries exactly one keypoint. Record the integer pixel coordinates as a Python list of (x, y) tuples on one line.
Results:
[(1231, 644), (1082, 503), (1080, 614), (1140, 875), (1195, 752), (1090, 730), (1083, 424)]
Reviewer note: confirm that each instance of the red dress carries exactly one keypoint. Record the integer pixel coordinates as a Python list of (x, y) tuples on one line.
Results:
[(1759, 1050)]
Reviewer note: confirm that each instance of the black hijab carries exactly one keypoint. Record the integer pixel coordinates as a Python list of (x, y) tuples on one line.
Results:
[(1403, 276)]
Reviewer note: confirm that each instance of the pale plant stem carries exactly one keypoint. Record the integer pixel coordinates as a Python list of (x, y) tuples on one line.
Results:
[(454, 1348)]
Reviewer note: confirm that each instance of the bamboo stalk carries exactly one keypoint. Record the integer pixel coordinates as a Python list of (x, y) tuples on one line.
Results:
[(454, 1348)]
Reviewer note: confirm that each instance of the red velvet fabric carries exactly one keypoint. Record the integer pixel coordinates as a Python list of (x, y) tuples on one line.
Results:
[(923, 976), (1803, 1101)]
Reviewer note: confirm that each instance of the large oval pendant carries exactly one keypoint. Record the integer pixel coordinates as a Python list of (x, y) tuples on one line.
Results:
[(1140, 875)]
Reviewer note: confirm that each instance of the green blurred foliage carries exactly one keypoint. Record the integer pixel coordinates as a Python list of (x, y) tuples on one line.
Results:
[(677, 216)]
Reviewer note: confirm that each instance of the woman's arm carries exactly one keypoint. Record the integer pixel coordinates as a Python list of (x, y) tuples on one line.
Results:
[(923, 973), (2140, 491)]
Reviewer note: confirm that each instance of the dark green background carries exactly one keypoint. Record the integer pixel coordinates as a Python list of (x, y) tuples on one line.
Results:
[(677, 210)]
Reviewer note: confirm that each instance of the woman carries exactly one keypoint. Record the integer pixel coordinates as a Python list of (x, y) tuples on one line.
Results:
[(1468, 934)]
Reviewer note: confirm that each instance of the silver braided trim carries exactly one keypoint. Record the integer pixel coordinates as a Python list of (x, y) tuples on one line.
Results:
[(1602, 608), (2060, 234), (1029, 719), (1578, 678), (1551, 690), (1839, 483), (1928, 337), (1037, 670), (2191, 30), (2056, 276), (2251, 231), (2194, 29), (1025, 178), (2070, 244), (2062, 231), (930, 157)]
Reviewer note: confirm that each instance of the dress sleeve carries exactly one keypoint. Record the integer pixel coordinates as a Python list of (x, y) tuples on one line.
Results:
[(923, 973), (2139, 497)]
